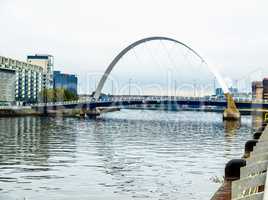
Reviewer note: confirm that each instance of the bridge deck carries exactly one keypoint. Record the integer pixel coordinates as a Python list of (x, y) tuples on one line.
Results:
[(171, 102)]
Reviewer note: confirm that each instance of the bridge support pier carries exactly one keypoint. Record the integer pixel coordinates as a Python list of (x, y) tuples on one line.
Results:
[(89, 112), (231, 115), (92, 113), (231, 112)]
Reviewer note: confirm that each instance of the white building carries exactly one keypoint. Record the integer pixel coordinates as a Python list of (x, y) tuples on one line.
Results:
[(47, 63), (28, 83), (7, 83)]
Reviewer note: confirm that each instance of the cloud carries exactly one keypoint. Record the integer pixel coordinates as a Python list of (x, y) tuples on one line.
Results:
[(86, 35)]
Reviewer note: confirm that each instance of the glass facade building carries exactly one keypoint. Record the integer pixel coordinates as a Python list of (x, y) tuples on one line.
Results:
[(66, 81)]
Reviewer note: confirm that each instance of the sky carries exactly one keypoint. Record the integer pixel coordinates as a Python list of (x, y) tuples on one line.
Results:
[(85, 35)]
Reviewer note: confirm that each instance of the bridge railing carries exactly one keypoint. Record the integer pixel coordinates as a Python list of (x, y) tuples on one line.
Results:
[(152, 98), (14, 107), (121, 99)]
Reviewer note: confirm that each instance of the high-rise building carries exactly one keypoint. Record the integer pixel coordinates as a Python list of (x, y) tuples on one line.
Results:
[(219, 92), (257, 90), (265, 88), (66, 81), (7, 83), (47, 63), (233, 91), (28, 83)]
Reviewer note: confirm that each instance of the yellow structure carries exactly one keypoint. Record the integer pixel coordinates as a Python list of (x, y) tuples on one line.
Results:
[(231, 112)]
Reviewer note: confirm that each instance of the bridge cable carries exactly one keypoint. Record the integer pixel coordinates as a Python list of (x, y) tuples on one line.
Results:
[(153, 58), (173, 63), (168, 54), (137, 57)]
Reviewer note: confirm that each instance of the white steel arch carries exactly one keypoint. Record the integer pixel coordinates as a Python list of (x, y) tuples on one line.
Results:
[(128, 48)]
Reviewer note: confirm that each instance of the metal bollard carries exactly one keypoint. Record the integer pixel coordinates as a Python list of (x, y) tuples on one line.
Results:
[(261, 129), (232, 169), (264, 124), (249, 147), (257, 135)]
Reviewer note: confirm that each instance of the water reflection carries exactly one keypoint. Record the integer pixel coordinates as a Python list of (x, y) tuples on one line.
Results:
[(29, 148), (257, 120), (21, 139), (126, 155), (231, 127), (29, 140)]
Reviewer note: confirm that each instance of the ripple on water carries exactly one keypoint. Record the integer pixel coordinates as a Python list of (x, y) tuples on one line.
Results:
[(125, 155), (8, 179)]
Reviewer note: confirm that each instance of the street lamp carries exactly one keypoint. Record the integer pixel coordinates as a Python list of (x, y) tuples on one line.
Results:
[(129, 86), (112, 88)]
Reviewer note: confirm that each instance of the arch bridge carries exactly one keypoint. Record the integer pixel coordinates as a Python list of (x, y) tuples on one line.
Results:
[(230, 112), (130, 47)]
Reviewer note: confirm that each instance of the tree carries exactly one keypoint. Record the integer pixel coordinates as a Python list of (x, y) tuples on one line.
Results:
[(57, 95)]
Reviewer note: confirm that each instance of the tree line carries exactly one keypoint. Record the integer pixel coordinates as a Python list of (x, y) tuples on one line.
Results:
[(57, 95)]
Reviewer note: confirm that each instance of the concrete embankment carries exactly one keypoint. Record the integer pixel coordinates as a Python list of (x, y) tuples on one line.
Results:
[(28, 111), (106, 110), (245, 177), (15, 112)]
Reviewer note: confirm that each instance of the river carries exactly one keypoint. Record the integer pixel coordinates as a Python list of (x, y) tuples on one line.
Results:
[(131, 154)]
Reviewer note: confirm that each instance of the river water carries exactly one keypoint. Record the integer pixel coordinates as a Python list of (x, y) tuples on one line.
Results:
[(131, 154)]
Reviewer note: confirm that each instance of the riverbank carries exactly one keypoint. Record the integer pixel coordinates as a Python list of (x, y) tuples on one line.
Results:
[(28, 111), (245, 177), (18, 112)]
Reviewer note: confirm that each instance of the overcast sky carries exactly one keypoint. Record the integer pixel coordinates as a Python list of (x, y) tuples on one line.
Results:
[(85, 35)]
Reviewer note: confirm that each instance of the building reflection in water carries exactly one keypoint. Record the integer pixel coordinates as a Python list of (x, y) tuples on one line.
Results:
[(31, 140), (22, 141), (257, 119)]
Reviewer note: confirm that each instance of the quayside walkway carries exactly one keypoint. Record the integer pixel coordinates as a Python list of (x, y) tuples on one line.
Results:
[(246, 178)]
